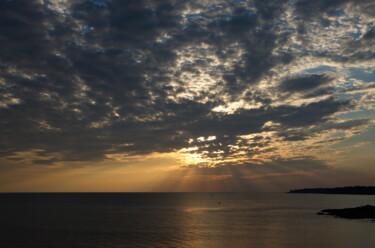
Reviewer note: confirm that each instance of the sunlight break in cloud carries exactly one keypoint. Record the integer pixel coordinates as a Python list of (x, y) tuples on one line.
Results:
[(215, 83)]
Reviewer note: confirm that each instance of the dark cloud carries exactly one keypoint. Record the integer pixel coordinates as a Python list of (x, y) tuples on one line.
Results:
[(101, 77), (305, 83), (313, 9), (370, 34), (306, 133), (332, 13), (254, 31)]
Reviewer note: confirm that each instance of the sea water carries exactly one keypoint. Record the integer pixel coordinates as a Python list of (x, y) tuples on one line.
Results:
[(181, 220)]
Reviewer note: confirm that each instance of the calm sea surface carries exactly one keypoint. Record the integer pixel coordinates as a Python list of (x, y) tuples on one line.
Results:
[(199, 220)]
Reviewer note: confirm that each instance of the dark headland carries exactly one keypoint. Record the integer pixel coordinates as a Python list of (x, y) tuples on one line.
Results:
[(353, 190), (367, 211)]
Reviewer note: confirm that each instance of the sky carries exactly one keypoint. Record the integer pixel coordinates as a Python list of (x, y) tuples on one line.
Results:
[(177, 95)]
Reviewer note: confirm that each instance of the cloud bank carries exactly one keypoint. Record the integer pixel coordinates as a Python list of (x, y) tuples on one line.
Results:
[(218, 82)]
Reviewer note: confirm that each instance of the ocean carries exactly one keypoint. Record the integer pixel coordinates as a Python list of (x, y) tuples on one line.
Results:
[(181, 220)]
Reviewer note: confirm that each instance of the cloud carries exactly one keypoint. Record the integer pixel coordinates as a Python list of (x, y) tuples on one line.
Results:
[(305, 83), (82, 80)]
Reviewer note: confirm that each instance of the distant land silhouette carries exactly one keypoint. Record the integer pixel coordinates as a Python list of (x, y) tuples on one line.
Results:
[(367, 211), (352, 190)]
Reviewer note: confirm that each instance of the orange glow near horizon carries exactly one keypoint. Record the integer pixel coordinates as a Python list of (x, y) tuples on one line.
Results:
[(160, 173)]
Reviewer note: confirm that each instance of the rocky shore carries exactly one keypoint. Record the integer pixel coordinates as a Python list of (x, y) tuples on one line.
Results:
[(367, 211)]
